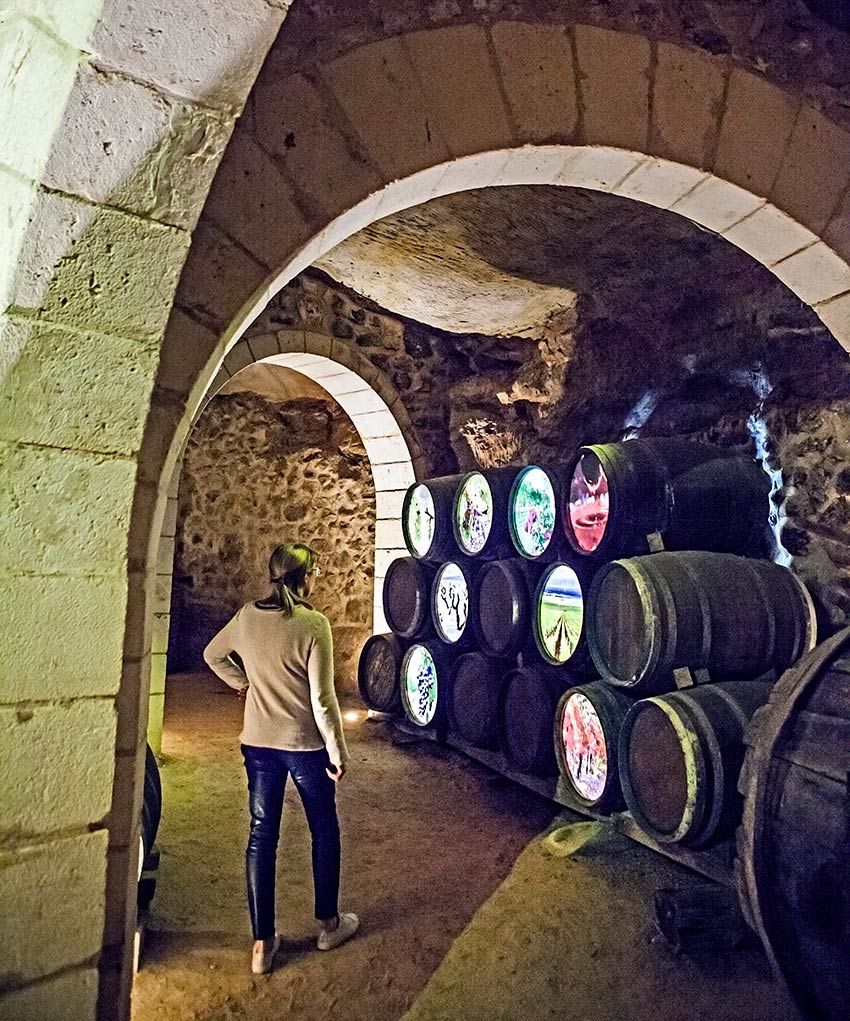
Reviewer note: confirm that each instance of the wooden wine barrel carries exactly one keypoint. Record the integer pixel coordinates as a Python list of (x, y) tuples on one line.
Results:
[(151, 804), (559, 620), (533, 510), (449, 602), (378, 672), (794, 844), (481, 510), (696, 497), (731, 616), (680, 760), (424, 679), (427, 518), (528, 698), (587, 733), (407, 597), (474, 698), (501, 606)]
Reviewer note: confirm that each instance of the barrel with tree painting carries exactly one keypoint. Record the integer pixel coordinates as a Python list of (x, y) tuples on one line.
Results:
[(502, 606), (680, 759), (378, 672), (407, 597), (588, 721), (474, 698), (424, 679), (794, 844), (528, 698), (714, 613), (427, 518), (690, 496), (450, 603)]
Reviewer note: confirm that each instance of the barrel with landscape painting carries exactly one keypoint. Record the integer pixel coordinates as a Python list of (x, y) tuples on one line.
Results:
[(378, 673), (718, 615), (680, 760), (407, 597), (502, 606), (533, 504), (793, 865), (450, 598), (474, 698), (558, 623), (528, 698), (427, 518), (588, 721), (424, 679), (685, 495)]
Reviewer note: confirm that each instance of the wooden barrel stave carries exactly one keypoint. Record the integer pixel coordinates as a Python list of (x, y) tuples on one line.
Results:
[(378, 670), (406, 597), (794, 845), (693, 495), (528, 698), (473, 705), (611, 707), (729, 615), (679, 766)]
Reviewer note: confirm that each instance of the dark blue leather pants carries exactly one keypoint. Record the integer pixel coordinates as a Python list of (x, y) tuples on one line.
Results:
[(267, 770)]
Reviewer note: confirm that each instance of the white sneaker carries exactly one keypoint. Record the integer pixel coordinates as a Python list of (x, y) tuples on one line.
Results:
[(349, 923), (263, 955)]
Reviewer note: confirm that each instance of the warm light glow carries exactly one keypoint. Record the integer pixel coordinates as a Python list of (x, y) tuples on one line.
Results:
[(352, 716)]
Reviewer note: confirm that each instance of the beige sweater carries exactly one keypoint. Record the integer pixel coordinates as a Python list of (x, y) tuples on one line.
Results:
[(290, 702)]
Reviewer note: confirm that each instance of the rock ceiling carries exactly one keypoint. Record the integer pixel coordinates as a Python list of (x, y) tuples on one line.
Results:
[(505, 260)]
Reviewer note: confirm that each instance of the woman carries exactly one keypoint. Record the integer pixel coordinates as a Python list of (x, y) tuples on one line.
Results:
[(292, 727)]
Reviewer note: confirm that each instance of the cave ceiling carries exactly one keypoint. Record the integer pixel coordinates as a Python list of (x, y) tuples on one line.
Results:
[(504, 261)]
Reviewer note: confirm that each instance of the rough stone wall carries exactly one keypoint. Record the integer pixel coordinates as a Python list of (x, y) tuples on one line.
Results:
[(257, 473)]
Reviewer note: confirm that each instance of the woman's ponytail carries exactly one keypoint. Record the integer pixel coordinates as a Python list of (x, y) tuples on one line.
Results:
[(289, 566)]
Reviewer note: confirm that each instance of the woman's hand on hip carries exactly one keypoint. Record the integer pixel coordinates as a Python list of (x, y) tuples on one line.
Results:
[(336, 773)]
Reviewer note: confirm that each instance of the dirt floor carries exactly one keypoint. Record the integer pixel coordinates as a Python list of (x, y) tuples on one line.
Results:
[(428, 838)]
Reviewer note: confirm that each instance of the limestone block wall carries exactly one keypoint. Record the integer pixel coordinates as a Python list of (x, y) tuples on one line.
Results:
[(256, 473)]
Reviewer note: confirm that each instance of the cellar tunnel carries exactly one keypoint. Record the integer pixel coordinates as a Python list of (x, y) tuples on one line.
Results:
[(527, 250)]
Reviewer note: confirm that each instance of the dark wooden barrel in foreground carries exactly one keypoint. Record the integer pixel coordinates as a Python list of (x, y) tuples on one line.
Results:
[(587, 733), (680, 760), (693, 495), (731, 616), (528, 698), (407, 597), (378, 672), (794, 844), (427, 518), (474, 698), (502, 605), (424, 678)]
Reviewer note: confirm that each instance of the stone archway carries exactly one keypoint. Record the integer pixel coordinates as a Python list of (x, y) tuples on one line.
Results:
[(371, 402), (379, 127)]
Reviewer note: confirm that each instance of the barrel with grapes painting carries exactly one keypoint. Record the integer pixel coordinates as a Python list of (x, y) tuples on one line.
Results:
[(533, 513), (424, 680), (481, 514)]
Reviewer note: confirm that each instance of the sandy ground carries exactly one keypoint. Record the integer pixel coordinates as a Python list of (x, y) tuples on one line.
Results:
[(428, 838)]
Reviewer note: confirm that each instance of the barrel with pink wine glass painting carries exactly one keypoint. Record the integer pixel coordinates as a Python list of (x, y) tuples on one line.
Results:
[(589, 502)]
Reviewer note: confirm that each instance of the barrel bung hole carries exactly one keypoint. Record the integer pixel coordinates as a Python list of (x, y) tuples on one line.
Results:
[(657, 769)]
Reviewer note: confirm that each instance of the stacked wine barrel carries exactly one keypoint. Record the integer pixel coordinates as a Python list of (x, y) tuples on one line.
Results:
[(486, 615), (688, 624), (628, 605)]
